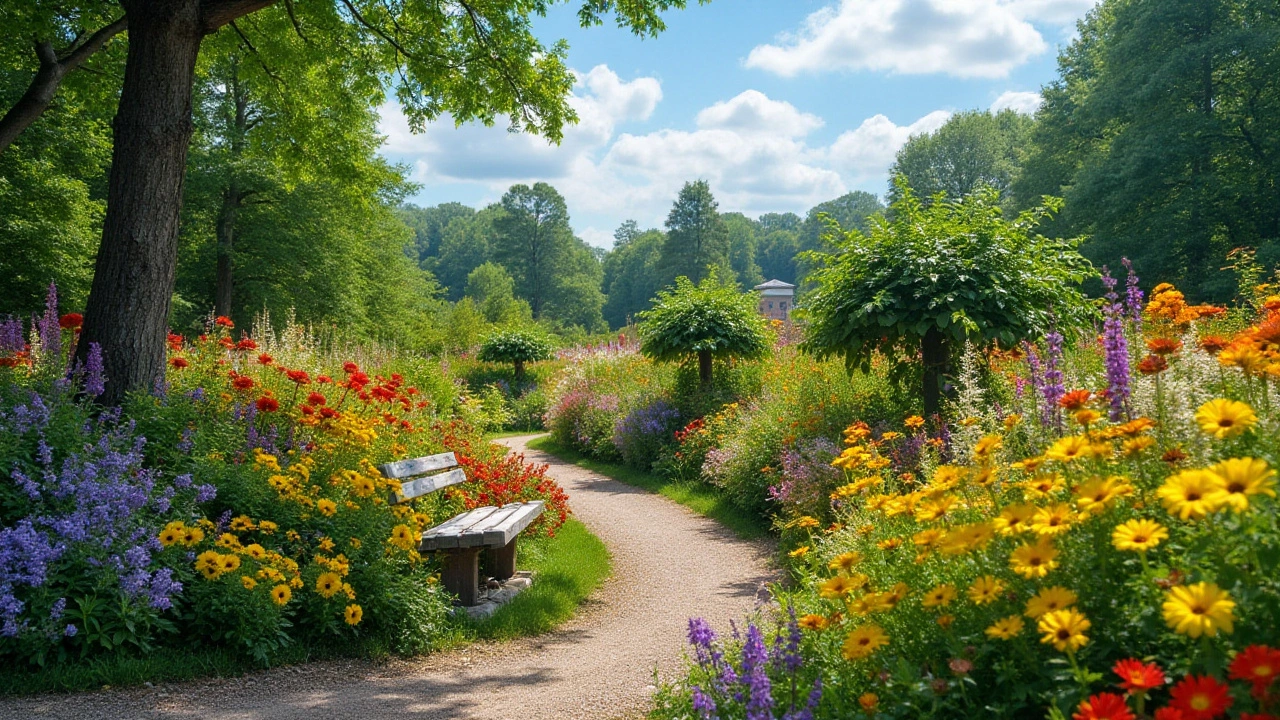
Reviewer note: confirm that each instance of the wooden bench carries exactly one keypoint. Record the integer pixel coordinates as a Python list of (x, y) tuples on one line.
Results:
[(491, 530)]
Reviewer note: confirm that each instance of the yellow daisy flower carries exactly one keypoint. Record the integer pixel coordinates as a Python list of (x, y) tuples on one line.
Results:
[(799, 552), (1242, 477), (1199, 609), (838, 587), (1006, 628), (1049, 600), (328, 584), (1070, 449), (1192, 494), (940, 596), (1034, 561), (1014, 519), (281, 594), (1138, 535), (845, 562), (326, 507), (864, 641), (813, 622), (1064, 629), (1224, 418), (1053, 520), (353, 614), (986, 589)]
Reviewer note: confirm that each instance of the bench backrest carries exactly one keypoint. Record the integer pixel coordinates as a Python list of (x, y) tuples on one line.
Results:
[(416, 478)]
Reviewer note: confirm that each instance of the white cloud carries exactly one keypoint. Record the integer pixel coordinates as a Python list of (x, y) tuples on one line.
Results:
[(964, 38), (753, 112), (867, 152), (1051, 12), (757, 153), (1026, 103)]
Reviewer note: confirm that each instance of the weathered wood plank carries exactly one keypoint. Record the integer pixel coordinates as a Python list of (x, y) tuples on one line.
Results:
[(429, 484), (507, 529), (417, 466), (451, 534), (494, 519)]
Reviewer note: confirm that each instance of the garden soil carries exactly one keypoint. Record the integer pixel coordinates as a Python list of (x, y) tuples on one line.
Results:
[(668, 565)]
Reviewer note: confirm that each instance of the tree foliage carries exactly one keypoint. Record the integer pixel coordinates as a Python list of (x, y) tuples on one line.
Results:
[(972, 150), (697, 238), (1163, 135), (517, 346), (931, 276), (708, 320)]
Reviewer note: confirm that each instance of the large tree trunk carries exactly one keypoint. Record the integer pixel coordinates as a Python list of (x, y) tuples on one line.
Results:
[(45, 84), (704, 368), (128, 308), (935, 355)]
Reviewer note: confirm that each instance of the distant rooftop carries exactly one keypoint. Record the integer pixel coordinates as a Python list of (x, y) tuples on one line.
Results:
[(774, 285)]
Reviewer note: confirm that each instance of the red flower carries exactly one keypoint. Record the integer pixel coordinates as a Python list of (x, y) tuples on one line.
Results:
[(226, 343), (316, 398), (1169, 713), (1075, 399), (223, 321), (179, 363), (322, 379), (1152, 364), (242, 382), (265, 359), (299, 376), (1200, 697), (1164, 346), (328, 413), (350, 368), (1138, 677), (71, 321), (247, 344), (1105, 706), (1257, 664), (267, 404), (308, 410), (1214, 344), (175, 342)]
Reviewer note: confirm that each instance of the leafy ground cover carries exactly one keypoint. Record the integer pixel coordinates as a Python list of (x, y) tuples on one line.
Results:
[(236, 512)]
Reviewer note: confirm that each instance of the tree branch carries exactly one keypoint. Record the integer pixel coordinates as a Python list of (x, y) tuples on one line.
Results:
[(216, 13), (48, 78)]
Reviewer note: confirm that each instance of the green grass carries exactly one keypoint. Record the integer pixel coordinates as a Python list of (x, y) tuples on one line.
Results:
[(509, 434), (699, 497), (567, 569)]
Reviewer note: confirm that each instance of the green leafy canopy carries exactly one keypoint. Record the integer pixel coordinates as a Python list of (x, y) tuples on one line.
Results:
[(518, 345), (957, 265), (709, 317)]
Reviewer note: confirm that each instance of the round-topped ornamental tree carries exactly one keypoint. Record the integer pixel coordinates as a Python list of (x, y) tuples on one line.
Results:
[(927, 279), (707, 320), (517, 346)]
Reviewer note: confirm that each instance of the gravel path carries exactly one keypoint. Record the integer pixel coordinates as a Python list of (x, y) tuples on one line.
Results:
[(669, 564)]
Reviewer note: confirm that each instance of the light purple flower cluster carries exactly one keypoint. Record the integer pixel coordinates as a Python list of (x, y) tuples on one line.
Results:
[(807, 475), (95, 515), (1132, 295), (730, 691), (48, 329), (11, 337), (1047, 378), (1116, 348), (639, 434)]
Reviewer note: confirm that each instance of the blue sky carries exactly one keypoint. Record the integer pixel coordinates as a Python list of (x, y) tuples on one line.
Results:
[(779, 104)]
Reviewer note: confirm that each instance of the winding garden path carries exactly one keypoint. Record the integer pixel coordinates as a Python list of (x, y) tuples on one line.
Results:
[(668, 565)]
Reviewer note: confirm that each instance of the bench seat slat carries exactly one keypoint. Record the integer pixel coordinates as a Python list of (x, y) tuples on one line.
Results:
[(502, 532), (486, 526), (429, 484), (417, 466)]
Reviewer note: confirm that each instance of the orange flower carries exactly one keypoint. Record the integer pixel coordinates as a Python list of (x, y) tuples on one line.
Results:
[(267, 404), (242, 382), (1153, 364), (265, 359), (1200, 697), (1075, 399), (223, 321), (178, 363), (71, 321), (1138, 677), (1214, 344), (1104, 706)]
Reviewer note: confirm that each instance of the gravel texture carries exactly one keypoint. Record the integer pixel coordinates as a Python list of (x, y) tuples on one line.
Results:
[(669, 565)]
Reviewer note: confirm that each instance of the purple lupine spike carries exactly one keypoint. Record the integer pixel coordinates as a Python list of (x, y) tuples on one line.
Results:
[(1116, 348), (759, 689), (12, 339), (703, 704), (48, 328), (95, 382), (1132, 294), (1053, 377)]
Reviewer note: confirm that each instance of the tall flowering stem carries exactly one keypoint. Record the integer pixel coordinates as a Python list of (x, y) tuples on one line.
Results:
[(1054, 388), (1133, 296), (1117, 350), (747, 689)]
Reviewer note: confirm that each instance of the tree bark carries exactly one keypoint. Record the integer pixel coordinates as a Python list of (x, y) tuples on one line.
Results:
[(519, 370), (934, 351), (704, 368), (128, 309), (48, 78)]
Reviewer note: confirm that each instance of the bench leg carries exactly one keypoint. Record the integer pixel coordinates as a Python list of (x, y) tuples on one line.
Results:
[(504, 560), (461, 575)]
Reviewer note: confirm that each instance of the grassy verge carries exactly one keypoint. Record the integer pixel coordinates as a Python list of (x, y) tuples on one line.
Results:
[(701, 498), (509, 434), (568, 567)]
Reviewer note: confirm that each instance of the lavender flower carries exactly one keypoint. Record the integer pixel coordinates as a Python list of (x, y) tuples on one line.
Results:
[(49, 330), (1117, 350), (11, 336), (94, 381), (1132, 295), (747, 690)]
